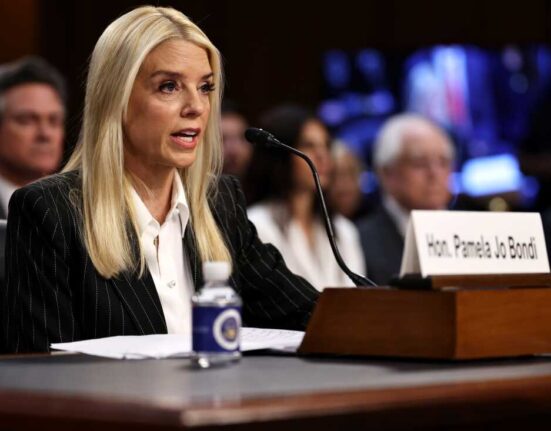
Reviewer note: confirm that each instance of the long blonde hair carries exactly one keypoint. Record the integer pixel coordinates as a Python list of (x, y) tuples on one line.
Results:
[(106, 200)]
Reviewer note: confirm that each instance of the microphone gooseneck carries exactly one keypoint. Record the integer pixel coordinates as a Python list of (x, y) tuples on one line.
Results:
[(262, 137)]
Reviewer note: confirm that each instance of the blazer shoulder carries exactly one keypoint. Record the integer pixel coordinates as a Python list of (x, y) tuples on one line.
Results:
[(228, 193), (60, 189), (227, 184), (229, 209), (56, 183)]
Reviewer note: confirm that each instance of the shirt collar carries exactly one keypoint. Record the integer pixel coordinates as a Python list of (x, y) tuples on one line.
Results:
[(179, 206), (397, 213)]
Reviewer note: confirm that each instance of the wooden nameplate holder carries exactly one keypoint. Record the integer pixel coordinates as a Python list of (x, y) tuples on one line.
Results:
[(441, 317)]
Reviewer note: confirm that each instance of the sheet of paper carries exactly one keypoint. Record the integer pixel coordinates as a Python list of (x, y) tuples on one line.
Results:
[(132, 346), (275, 339), (178, 346)]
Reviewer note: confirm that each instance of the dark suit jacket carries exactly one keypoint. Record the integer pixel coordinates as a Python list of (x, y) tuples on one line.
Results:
[(382, 245), (54, 293)]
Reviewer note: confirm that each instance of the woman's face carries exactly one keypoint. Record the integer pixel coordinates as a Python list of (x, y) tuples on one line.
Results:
[(314, 142), (169, 108)]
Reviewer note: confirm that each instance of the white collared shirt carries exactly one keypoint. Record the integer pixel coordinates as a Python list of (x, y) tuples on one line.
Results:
[(316, 263), (399, 215), (166, 259), (6, 190)]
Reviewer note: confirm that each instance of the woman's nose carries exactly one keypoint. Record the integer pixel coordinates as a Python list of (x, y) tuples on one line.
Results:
[(193, 105)]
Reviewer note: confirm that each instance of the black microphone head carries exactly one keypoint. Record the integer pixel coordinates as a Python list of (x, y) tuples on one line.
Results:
[(258, 136)]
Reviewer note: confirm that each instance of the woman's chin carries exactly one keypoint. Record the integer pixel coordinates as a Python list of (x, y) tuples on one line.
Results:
[(184, 162)]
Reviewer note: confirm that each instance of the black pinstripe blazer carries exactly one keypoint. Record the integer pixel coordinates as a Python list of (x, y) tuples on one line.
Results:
[(54, 294)]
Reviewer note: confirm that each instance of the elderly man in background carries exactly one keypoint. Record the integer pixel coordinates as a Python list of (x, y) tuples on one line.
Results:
[(413, 160), (32, 124)]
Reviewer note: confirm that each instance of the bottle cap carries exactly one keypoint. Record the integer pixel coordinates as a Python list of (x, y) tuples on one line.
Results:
[(216, 271)]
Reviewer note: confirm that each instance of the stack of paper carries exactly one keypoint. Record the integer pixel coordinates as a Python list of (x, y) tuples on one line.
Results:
[(178, 346)]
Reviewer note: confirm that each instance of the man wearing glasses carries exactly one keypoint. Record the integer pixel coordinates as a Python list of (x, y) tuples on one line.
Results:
[(413, 160)]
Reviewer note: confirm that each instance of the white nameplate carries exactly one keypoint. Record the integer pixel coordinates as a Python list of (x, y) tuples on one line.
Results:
[(465, 242)]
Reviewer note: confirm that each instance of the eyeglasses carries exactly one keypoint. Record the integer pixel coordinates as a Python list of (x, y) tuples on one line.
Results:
[(426, 163)]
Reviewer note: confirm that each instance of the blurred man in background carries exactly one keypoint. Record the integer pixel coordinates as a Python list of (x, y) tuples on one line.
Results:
[(32, 118), (413, 160)]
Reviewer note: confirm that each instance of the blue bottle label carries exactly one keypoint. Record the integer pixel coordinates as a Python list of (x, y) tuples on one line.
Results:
[(216, 329)]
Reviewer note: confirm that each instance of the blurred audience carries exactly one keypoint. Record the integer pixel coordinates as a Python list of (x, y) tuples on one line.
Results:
[(345, 193), (535, 160), (237, 150), (32, 117), (413, 160), (535, 152), (286, 211)]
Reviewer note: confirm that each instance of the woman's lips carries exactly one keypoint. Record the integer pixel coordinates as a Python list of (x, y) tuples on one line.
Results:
[(183, 141)]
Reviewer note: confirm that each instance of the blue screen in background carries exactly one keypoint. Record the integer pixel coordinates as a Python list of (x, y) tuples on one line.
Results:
[(483, 98)]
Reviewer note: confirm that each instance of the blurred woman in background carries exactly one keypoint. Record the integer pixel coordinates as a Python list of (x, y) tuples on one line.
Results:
[(285, 208), (345, 195)]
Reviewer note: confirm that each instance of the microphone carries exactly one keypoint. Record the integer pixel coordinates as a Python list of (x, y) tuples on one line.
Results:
[(262, 137)]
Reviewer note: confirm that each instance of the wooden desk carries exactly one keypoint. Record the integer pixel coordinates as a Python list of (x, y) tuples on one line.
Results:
[(75, 392)]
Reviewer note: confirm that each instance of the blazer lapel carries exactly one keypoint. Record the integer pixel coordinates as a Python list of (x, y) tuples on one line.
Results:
[(140, 296), (195, 264), (141, 300)]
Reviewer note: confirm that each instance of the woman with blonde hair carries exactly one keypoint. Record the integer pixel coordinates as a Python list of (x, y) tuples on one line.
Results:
[(114, 244)]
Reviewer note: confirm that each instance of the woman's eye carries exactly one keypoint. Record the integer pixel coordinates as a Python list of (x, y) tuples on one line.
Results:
[(168, 87), (207, 88)]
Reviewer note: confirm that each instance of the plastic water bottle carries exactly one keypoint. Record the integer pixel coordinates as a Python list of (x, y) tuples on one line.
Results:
[(216, 318)]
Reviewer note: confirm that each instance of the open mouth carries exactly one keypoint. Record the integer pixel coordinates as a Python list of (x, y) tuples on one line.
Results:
[(186, 135), (186, 138)]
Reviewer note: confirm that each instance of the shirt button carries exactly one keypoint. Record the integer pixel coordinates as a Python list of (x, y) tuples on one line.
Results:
[(171, 283)]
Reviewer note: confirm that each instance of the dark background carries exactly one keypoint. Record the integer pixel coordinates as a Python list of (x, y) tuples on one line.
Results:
[(272, 50)]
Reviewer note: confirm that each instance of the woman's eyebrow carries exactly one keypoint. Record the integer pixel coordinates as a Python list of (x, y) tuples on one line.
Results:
[(167, 73), (172, 74)]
